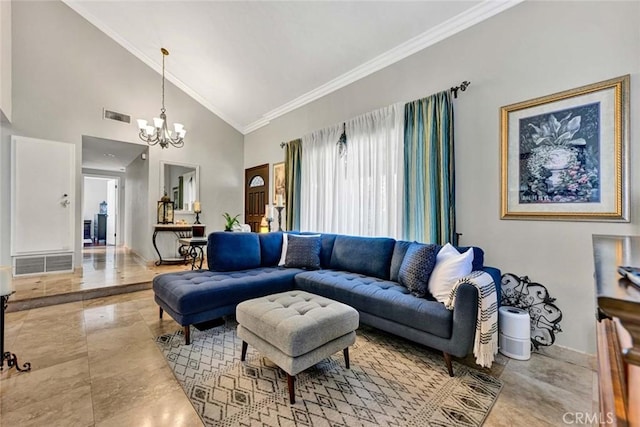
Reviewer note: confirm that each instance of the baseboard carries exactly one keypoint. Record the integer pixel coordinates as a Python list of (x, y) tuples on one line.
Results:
[(139, 257), (570, 355)]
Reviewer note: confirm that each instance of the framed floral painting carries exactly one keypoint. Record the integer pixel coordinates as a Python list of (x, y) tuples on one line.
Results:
[(563, 156)]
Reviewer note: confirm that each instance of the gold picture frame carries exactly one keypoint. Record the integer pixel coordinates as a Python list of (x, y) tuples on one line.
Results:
[(279, 188), (564, 156)]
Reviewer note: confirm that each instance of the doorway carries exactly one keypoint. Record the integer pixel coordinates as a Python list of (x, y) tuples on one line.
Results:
[(100, 212), (256, 182)]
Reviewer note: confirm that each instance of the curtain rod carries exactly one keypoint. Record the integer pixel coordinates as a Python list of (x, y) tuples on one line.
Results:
[(463, 86), (454, 89)]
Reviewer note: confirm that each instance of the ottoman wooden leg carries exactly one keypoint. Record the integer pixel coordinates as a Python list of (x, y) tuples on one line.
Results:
[(291, 383), (243, 355), (187, 335), (346, 357), (161, 311)]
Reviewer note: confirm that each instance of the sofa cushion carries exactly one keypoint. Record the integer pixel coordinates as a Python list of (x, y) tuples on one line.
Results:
[(450, 266), (381, 298), (416, 268), (228, 251), (478, 256), (399, 251), (188, 292), (370, 256), (327, 242), (303, 252), (270, 247)]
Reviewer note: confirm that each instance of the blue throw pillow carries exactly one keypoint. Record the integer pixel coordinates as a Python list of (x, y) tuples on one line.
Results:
[(416, 268), (303, 252)]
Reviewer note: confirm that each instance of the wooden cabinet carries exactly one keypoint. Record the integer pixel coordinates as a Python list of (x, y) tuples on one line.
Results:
[(618, 330), (100, 229)]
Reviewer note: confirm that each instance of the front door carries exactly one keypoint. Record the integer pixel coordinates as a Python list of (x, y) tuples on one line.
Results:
[(256, 182)]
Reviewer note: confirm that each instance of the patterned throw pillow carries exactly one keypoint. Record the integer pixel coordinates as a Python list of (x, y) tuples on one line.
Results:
[(303, 251), (416, 268)]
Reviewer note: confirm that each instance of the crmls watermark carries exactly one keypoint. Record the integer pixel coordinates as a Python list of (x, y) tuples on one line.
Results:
[(588, 418)]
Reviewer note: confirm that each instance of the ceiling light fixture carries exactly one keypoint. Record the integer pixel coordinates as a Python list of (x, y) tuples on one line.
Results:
[(158, 133)]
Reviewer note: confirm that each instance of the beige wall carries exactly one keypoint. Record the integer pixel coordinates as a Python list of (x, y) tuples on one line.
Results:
[(5, 59), (65, 71), (533, 49)]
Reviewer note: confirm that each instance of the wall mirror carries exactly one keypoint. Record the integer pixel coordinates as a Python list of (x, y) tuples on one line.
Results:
[(181, 182)]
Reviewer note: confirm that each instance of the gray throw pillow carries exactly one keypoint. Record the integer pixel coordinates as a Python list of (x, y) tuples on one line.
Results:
[(303, 251), (416, 268)]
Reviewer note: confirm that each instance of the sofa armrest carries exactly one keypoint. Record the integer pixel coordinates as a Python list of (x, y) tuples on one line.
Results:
[(465, 313)]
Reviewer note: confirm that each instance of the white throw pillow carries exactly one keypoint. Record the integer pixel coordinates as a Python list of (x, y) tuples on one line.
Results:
[(283, 254), (450, 266)]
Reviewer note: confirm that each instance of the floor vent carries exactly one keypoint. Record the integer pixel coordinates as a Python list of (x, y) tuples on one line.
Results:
[(54, 263), (118, 117)]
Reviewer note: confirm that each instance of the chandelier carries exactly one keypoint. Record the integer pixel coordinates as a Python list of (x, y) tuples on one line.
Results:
[(158, 133)]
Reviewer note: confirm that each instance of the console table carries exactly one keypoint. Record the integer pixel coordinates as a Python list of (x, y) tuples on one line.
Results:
[(181, 231), (618, 330)]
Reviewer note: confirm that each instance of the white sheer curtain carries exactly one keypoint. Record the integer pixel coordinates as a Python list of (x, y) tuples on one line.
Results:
[(360, 194)]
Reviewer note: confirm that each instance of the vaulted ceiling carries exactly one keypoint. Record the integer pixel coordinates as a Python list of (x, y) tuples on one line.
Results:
[(249, 62)]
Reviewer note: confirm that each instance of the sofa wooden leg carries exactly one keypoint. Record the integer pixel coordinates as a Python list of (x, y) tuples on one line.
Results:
[(161, 311), (291, 383), (447, 360), (244, 351), (345, 352), (187, 335)]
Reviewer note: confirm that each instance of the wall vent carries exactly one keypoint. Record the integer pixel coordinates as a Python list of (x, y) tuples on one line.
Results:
[(39, 264), (118, 117)]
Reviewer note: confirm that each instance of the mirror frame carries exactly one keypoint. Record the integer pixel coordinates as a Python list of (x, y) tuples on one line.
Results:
[(163, 164)]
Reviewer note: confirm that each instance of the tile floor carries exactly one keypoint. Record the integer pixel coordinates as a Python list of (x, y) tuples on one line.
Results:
[(95, 363)]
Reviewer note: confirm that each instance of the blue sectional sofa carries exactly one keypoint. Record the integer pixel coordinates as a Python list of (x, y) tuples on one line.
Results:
[(359, 271)]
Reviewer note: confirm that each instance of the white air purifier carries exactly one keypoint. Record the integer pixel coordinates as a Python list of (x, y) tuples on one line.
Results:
[(515, 333)]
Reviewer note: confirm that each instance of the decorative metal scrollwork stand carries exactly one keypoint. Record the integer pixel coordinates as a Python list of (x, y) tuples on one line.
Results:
[(12, 359), (520, 292)]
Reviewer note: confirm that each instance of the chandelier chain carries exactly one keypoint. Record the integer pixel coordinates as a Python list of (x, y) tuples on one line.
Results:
[(163, 109)]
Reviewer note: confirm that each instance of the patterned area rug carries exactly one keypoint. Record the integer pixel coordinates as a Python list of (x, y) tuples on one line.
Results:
[(392, 382)]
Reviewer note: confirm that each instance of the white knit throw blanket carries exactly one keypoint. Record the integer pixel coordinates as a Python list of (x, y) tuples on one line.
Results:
[(486, 341)]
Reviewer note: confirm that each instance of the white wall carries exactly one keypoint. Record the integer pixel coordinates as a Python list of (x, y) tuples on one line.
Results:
[(5, 59), (531, 50), (95, 192), (65, 71), (136, 201)]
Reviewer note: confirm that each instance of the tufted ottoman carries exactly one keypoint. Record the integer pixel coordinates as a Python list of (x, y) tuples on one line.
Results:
[(296, 330)]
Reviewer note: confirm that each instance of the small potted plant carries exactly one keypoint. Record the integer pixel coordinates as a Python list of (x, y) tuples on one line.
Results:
[(230, 221)]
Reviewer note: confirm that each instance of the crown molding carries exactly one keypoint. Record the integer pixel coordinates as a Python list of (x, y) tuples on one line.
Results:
[(80, 10), (458, 23)]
